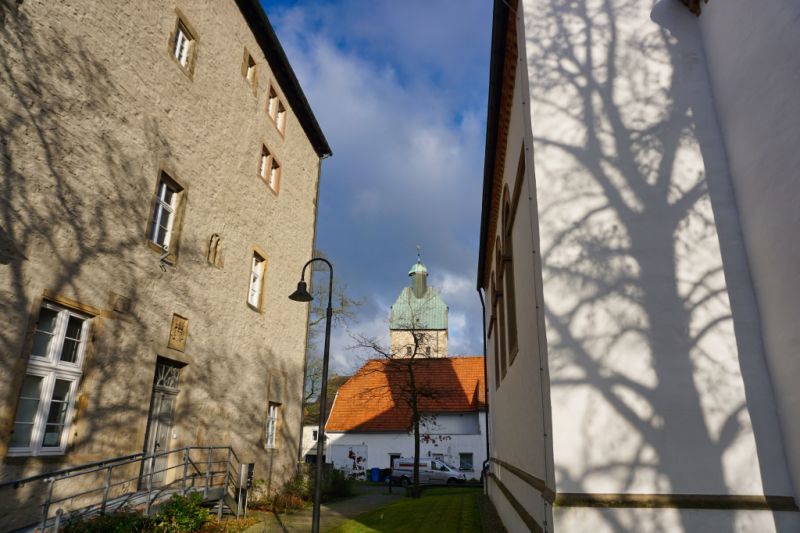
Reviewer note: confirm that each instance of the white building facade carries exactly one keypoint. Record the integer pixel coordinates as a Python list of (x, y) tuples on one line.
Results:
[(638, 313)]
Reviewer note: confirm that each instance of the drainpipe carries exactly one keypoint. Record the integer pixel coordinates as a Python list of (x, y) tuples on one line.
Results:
[(485, 391)]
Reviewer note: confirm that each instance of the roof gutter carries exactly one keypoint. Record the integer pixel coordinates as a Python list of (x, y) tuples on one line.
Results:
[(284, 74), (499, 29)]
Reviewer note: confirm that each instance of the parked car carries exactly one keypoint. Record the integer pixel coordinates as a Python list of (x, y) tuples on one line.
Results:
[(431, 472)]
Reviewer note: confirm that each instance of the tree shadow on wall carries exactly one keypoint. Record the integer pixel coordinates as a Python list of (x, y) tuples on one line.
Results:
[(73, 205), (629, 239)]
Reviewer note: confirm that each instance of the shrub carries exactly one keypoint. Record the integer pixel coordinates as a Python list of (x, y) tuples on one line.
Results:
[(121, 522), (293, 495), (180, 514), (335, 484)]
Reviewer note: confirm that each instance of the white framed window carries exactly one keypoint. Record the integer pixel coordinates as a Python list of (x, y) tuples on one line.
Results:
[(280, 118), (273, 409), (264, 163), (272, 103), (182, 44), (269, 169), (465, 461), (46, 400), (166, 203), (257, 267), (276, 110)]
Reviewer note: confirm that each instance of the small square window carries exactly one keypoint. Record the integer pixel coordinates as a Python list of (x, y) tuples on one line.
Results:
[(276, 110), (257, 268), (249, 70), (269, 169), (183, 44), (272, 103), (280, 119)]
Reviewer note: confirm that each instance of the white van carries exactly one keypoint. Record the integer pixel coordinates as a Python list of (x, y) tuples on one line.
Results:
[(431, 471)]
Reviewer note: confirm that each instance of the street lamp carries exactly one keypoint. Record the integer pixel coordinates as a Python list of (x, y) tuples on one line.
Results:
[(302, 295)]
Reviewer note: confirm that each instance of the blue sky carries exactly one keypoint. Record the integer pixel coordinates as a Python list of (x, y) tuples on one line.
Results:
[(399, 88)]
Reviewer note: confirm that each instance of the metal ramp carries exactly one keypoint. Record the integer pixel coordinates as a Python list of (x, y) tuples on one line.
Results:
[(136, 482)]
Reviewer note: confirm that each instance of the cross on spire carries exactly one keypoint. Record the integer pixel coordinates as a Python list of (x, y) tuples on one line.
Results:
[(419, 248)]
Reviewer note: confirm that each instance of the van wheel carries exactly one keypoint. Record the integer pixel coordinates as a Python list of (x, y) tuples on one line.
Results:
[(404, 482), (452, 481)]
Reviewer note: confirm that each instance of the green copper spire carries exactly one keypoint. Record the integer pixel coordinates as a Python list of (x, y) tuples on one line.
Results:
[(419, 306)]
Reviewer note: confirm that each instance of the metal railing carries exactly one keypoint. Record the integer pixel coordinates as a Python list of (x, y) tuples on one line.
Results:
[(132, 482)]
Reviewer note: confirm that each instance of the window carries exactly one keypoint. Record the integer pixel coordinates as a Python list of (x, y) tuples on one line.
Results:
[(183, 43), (314, 435), (501, 310), (51, 380), (465, 461), (166, 203), (508, 276), (276, 110), (269, 169), (408, 351), (427, 350), (249, 70), (256, 281), (280, 119), (272, 424)]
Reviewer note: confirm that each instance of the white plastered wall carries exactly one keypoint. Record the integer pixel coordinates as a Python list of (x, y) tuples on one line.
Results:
[(655, 356), (755, 73), (380, 445), (519, 404)]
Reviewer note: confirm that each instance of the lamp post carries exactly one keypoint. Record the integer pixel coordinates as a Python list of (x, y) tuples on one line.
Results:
[(302, 295)]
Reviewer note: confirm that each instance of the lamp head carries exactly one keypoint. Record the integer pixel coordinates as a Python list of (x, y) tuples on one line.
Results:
[(301, 294)]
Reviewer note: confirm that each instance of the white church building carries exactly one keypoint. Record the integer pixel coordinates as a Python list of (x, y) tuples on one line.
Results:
[(371, 421)]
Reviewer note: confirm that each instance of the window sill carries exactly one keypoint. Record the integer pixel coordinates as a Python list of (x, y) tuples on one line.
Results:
[(171, 257), (256, 310), (34, 453)]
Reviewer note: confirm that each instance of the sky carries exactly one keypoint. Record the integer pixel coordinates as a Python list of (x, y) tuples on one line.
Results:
[(399, 89)]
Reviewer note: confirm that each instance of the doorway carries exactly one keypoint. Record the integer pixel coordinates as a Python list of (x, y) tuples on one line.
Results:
[(160, 421)]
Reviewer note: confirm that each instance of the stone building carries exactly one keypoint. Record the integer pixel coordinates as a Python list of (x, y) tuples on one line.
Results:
[(637, 265), (418, 321), (159, 168)]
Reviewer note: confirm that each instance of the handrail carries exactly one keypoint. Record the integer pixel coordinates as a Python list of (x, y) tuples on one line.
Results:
[(219, 472), (16, 483)]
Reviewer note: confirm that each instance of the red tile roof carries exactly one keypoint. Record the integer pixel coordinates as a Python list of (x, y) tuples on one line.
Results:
[(376, 398)]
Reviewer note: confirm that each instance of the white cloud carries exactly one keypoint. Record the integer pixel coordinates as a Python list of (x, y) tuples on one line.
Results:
[(405, 122)]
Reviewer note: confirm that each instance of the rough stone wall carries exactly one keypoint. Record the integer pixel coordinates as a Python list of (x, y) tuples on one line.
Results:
[(401, 340), (93, 105)]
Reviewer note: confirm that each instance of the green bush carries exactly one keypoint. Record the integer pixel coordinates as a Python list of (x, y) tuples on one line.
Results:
[(180, 514), (122, 522), (334, 484)]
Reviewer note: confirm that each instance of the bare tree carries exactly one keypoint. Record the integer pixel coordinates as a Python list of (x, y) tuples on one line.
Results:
[(400, 362)]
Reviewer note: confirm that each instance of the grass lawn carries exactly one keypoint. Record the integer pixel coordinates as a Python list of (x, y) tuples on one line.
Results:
[(452, 509)]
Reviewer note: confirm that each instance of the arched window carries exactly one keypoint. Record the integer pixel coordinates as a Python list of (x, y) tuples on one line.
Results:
[(508, 277), (493, 332), (500, 305)]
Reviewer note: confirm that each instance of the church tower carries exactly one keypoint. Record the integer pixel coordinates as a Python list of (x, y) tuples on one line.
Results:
[(418, 323)]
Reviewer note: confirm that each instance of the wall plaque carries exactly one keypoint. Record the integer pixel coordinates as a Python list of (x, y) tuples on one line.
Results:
[(178, 333)]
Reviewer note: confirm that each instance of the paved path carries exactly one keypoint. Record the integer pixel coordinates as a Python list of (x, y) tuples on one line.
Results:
[(332, 514)]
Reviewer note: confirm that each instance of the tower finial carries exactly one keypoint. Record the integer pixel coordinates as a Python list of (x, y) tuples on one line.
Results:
[(419, 248)]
